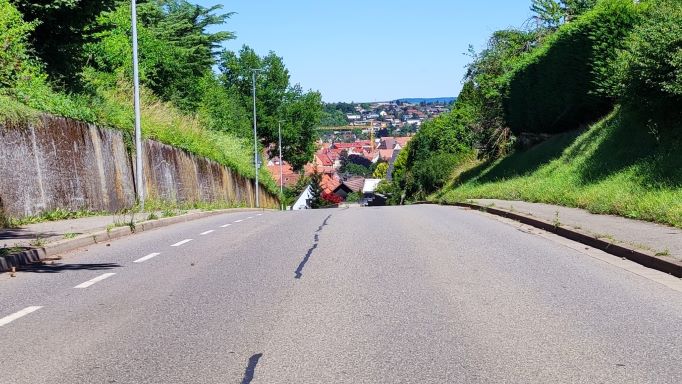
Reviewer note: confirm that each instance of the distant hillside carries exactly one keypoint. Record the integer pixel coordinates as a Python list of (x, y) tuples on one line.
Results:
[(431, 100)]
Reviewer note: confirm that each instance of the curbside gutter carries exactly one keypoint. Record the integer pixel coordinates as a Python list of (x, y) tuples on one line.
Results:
[(35, 255), (647, 259)]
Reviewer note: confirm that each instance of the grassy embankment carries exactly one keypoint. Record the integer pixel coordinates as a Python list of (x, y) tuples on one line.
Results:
[(615, 167), (160, 121)]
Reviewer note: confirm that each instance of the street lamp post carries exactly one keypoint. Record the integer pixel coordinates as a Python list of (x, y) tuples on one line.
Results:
[(255, 134), (281, 177), (139, 179)]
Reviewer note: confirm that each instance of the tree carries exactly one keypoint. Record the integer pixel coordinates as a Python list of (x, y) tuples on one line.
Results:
[(60, 33), (277, 101), (334, 118), (15, 60), (301, 114), (380, 171), (575, 8), (357, 170), (549, 13), (176, 51), (319, 198)]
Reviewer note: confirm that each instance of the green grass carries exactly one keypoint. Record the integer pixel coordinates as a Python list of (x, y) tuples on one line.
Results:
[(111, 107), (623, 165), (52, 215)]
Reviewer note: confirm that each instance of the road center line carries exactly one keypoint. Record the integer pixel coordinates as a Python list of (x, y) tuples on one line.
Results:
[(149, 256), (206, 233), (225, 226), (95, 280), (179, 243), (8, 319), (238, 221)]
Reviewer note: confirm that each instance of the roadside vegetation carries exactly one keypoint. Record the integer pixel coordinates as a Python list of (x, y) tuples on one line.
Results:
[(74, 59), (580, 108)]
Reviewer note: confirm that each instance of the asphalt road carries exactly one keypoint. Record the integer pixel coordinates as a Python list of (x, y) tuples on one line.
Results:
[(418, 294)]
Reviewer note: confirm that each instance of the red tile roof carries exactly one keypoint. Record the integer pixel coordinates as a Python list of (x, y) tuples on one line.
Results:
[(355, 184), (290, 177), (324, 159), (329, 183), (403, 140), (386, 154)]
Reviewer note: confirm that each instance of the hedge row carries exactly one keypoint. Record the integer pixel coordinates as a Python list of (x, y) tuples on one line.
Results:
[(564, 83)]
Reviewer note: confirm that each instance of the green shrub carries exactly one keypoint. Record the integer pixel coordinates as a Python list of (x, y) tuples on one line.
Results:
[(447, 133), (353, 197), (564, 83), (15, 63), (428, 175), (650, 67)]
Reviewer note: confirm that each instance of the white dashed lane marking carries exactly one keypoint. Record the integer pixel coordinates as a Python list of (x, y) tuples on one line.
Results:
[(95, 280), (238, 221), (149, 256), (8, 319), (179, 243), (206, 233), (225, 226)]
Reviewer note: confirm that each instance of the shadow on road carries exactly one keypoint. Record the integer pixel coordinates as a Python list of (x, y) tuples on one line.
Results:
[(251, 368), (23, 234), (57, 268), (316, 240)]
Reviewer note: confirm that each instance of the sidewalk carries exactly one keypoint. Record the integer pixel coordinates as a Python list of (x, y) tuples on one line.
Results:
[(39, 234), (659, 240)]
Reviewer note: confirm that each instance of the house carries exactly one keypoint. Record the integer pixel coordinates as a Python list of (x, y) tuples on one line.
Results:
[(386, 154), (329, 183), (303, 201), (391, 165), (370, 185), (289, 176), (369, 196), (347, 187), (402, 141)]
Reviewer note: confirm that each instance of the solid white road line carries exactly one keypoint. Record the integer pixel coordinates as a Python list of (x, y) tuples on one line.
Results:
[(238, 221), (225, 226), (206, 233), (149, 256), (95, 280), (179, 243), (8, 319)]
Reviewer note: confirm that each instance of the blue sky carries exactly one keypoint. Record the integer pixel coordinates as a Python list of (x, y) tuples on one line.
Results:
[(374, 50)]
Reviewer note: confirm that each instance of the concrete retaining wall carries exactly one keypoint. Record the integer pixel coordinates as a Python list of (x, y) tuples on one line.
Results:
[(63, 163)]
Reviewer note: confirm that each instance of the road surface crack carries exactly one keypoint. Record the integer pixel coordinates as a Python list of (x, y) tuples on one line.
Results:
[(316, 241)]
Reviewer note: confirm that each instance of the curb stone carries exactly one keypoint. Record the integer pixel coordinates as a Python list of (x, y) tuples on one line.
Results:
[(35, 255), (645, 258)]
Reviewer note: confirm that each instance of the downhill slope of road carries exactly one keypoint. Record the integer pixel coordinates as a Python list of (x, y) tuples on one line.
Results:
[(418, 294)]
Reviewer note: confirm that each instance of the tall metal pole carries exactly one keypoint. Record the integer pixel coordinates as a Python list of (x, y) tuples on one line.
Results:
[(139, 179), (281, 177), (255, 137)]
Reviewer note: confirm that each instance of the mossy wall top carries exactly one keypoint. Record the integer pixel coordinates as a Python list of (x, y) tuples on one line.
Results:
[(62, 163)]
